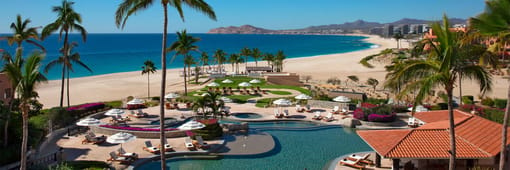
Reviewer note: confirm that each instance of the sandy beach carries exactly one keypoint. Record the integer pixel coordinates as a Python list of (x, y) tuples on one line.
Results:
[(118, 86)]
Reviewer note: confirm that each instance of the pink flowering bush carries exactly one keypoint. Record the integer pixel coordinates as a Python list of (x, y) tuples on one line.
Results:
[(87, 107), (358, 114), (381, 118), (136, 128)]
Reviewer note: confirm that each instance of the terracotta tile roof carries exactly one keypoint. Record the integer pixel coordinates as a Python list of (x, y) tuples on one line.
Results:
[(476, 137)]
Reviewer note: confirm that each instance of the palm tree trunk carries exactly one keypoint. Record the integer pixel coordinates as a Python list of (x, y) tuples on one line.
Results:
[(460, 88), (453, 149), (67, 84), (148, 86), (185, 83), (8, 118), (24, 141), (163, 86), (502, 156), (62, 87)]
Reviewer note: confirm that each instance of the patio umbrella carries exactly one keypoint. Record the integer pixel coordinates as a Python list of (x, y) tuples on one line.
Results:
[(121, 137), (226, 99), (419, 108), (205, 94), (191, 125), (255, 81), (227, 81), (244, 84), (213, 84), (172, 96), (136, 101), (342, 99), (88, 122), (303, 97), (114, 112), (282, 102)]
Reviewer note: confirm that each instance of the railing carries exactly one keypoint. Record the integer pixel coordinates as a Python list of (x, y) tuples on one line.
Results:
[(45, 160)]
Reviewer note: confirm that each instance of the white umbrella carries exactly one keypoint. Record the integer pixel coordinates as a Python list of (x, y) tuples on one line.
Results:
[(205, 94), (282, 102), (121, 137), (88, 122), (114, 112), (227, 81), (244, 84), (213, 84), (172, 96), (303, 97), (342, 99), (136, 101), (191, 125), (419, 108), (226, 99), (255, 81)]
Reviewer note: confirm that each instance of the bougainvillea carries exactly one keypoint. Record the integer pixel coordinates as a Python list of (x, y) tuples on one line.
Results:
[(381, 118), (87, 107), (136, 128)]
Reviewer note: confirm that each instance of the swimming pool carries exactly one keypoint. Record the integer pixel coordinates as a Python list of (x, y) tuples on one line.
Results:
[(311, 149), (168, 121), (247, 115)]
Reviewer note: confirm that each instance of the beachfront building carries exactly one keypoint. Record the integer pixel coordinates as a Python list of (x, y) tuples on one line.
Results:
[(5, 89), (388, 30), (427, 147)]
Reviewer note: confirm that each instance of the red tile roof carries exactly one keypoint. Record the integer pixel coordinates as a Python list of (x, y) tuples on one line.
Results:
[(476, 137)]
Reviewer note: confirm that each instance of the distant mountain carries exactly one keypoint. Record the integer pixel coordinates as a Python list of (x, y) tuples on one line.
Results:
[(358, 26)]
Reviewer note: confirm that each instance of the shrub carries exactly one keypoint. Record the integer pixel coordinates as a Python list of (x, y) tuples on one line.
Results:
[(60, 117), (87, 107), (467, 99), (500, 103), (381, 118), (114, 104), (136, 128), (435, 107), (358, 114), (495, 115), (376, 101), (443, 106), (155, 98), (487, 102), (211, 130)]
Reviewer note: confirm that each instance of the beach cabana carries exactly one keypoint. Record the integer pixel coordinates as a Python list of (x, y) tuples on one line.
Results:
[(114, 112), (478, 142), (191, 125), (135, 104), (88, 122)]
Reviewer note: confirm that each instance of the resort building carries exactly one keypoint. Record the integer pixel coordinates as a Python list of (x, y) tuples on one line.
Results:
[(427, 147), (388, 30), (5, 89)]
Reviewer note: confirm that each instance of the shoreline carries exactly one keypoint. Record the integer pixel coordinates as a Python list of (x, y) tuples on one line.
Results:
[(117, 86)]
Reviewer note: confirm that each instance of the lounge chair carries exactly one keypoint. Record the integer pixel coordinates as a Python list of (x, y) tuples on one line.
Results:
[(122, 160), (351, 163), (176, 106), (308, 109), (149, 148), (189, 144), (336, 110), (286, 113), (317, 116), (344, 111), (277, 114), (363, 159), (168, 147), (328, 118), (412, 122), (94, 140), (122, 153), (200, 143), (299, 109)]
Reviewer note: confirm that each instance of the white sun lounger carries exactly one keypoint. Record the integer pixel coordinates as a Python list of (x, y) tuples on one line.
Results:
[(189, 144)]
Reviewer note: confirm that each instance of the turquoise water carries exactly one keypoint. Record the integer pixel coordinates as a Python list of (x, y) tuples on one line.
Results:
[(112, 53), (247, 115), (294, 150), (167, 121)]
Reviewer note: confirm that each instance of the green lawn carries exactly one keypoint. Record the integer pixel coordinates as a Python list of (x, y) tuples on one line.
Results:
[(262, 85), (241, 98), (279, 92)]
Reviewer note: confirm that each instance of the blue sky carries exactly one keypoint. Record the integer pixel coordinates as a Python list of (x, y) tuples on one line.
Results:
[(98, 15)]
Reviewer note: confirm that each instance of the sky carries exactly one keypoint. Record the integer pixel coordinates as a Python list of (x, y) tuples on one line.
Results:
[(98, 15)]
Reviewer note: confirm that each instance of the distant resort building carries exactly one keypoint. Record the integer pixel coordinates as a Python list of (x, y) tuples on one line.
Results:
[(5, 89), (427, 147)]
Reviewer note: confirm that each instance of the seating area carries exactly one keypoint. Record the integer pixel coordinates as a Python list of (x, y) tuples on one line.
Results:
[(92, 138), (189, 144), (123, 160), (149, 148), (356, 161)]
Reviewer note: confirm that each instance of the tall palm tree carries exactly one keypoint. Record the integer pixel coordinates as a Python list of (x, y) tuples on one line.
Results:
[(256, 54), (269, 58), (219, 57), (67, 21), (235, 59), (245, 52), (130, 7), (66, 60), (188, 61), (214, 102), (238, 61), (373, 82), (496, 21), (278, 60), (204, 59), (440, 69), (21, 33), (148, 68), (28, 77), (397, 37), (182, 46)]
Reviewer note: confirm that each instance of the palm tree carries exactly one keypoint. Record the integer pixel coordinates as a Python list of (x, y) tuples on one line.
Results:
[(200, 105), (245, 52), (496, 21), (353, 78), (219, 56), (214, 102), (148, 68), (256, 54), (204, 59), (67, 60), (238, 61), (235, 59), (269, 58), (373, 82), (67, 21), (188, 61), (130, 7), (397, 37), (440, 69), (278, 60), (182, 46), (21, 33), (27, 77)]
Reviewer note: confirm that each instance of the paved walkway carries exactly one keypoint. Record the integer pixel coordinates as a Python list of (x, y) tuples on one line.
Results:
[(250, 144)]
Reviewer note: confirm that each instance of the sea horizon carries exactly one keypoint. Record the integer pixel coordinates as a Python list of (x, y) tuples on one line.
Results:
[(128, 51)]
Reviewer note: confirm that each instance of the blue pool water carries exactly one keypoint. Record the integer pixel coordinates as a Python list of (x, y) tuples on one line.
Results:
[(247, 115), (294, 150), (167, 121)]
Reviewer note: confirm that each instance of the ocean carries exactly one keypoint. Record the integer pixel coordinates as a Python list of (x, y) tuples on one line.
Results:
[(113, 53)]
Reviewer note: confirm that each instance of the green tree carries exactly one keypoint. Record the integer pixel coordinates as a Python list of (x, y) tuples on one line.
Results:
[(235, 59), (245, 52), (214, 103), (495, 21), (256, 54), (373, 82), (28, 77), (182, 46), (188, 61), (67, 21), (439, 69), (148, 68), (278, 60), (269, 58), (204, 59), (130, 7), (397, 37), (219, 57), (353, 78)]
